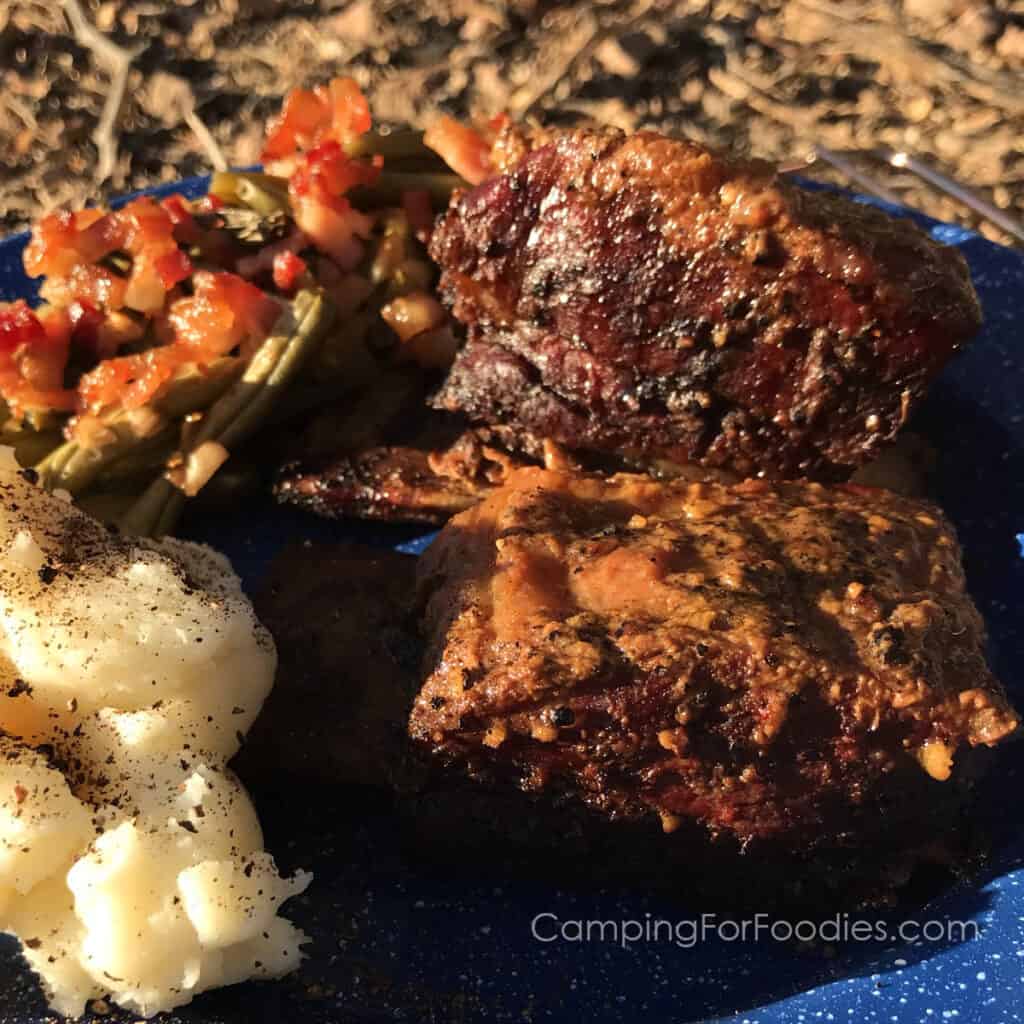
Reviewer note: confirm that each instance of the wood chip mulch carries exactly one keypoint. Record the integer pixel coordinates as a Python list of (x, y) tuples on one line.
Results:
[(939, 77)]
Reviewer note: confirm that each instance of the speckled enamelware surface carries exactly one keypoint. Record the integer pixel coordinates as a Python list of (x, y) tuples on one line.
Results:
[(392, 941)]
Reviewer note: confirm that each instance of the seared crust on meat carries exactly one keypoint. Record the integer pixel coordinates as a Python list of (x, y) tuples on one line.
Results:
[(400, 483), (794, 663), (644, 296)]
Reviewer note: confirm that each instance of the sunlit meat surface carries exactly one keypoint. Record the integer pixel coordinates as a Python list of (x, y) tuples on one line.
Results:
[(647, 298), (792, 668)]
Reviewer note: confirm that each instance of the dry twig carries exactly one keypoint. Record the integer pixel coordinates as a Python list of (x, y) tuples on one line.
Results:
[(895, 48), (210, 145), (178, 103), (119, 61), (581, 42)]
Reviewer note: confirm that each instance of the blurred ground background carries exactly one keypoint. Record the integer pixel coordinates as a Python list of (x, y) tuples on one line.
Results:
[(944, 78)]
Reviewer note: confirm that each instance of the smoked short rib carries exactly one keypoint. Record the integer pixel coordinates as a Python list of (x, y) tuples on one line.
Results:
[(648, 298), (793, 666)]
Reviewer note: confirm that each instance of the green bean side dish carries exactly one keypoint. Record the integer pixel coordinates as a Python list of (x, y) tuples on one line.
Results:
[(330, 258)]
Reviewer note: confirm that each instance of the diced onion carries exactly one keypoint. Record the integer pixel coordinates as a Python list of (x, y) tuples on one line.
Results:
[(199, 466)]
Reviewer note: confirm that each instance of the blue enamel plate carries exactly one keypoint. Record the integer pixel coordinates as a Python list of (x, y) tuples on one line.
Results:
[(393, 941)]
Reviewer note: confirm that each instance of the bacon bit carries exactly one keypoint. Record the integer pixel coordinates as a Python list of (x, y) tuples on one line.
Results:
[(327, 173), (56, 244), (89, 283), (20, 794), (288, 268), (335, 112), (332, 231), (127, 381), (463, 148), (176, 210), (223, 312), (303, 114), (309, 135)]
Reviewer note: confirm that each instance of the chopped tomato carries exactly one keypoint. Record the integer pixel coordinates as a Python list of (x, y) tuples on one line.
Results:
[(147, 234), (327, 173), (463, 148), (86, 321), (67, 247), (128, 381), (172, 267), (223, 313), (208, 204), (335, 112), (320, 208), (288, 268), (19, 326), (185, 228), (33, 354)]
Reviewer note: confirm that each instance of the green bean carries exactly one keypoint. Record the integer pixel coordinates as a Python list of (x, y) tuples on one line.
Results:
[(391, 247), (343, 358), (170, 513), (106, 505), (41, 419), (73, 466), (232, 482), (146, 458), (265, 201), (397, 145), (224, 184), (31, 436), (31, 445), (388, 188), (241, 409), (410, 276)]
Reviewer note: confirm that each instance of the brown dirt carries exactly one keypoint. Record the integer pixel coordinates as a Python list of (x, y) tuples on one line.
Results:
[(939, 77)]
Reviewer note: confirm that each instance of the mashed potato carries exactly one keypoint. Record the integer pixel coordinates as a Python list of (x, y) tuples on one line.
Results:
[(131, 859)]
